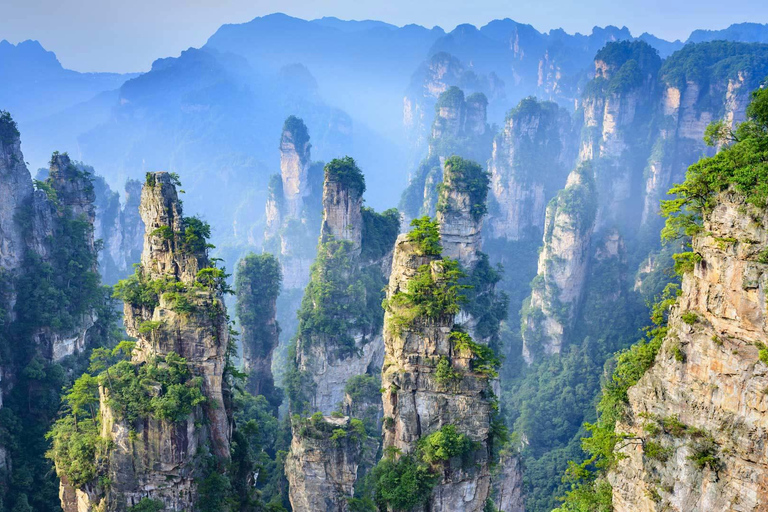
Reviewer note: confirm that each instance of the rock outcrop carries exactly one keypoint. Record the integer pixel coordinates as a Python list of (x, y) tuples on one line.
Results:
[(49, 292), (154, 456), (460, 128), (619, 107), (698, 417), (530, 161), (342, 208), (16, 191), (460, 210), (339, 338), (323, 462), (719, 90), (430, 384), (258, 284), (438, 374), (293, 206), (557, 289), (120, 229), (508, 485), (431, 80)]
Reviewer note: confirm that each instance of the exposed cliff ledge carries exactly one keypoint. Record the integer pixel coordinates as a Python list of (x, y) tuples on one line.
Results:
[(557, 289), (699, 416)]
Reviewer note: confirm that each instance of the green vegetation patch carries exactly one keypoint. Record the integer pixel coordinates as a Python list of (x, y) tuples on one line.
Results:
[(464, 177), (346, 172)]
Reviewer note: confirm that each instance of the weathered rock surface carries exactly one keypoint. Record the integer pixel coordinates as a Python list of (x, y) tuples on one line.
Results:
[(342, 213), (460, 227), (15, 191), (322, 471), (563, 262), (508, 485), (120, 229), (155, 458), (706, 382), (530, 160), (418, 404)]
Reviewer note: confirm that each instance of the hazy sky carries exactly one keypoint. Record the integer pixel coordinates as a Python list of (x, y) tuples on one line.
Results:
[(127, 35)]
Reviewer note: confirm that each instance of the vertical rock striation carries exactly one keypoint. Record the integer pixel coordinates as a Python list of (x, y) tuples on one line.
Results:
[(530, 160), (339, 347), (697, 419), (419, 400), (557, 289), (174, 308), (438, 373)]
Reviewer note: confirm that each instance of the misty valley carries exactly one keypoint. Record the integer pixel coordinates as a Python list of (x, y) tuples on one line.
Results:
[(349, 266)]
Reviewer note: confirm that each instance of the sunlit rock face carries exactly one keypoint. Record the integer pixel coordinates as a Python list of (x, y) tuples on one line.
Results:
[(707, 377)]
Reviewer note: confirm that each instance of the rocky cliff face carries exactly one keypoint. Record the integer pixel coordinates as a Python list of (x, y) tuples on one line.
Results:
[(457, 215), (720, 91), (530, 159), (15, 190), (339, 339), (342, 212), (558, 287), (151, 456), (120, 229), (294, 166), (618, 109), (698, 417), (430, 385), (322, 464), (460, 127), (293, 206), (432, 79)]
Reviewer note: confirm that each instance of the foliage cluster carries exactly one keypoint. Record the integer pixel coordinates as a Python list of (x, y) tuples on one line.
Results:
[(403, 482), (346, 172), (8, 129), (337, 302), (467, 178), (380, 231), (712, 62), (298, 130), (425, 236), (741, 166), (431, 294)]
